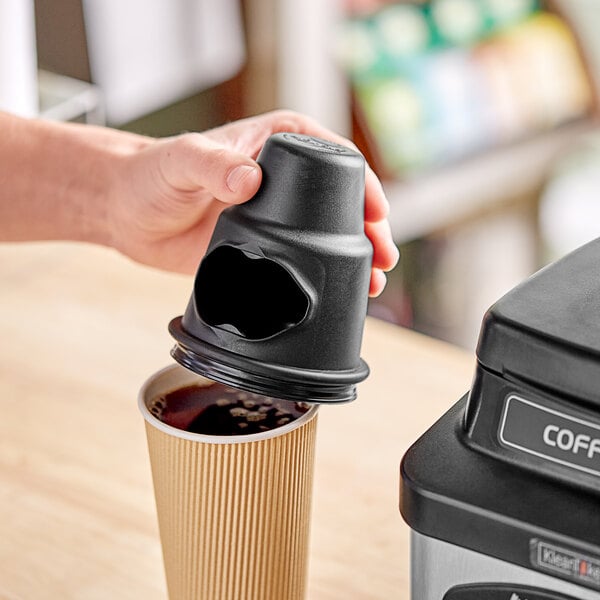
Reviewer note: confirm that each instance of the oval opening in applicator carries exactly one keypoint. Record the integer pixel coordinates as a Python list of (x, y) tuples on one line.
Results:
[(247, 294)]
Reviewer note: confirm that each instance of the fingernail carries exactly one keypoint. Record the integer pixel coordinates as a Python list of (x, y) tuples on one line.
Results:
[(240, 175)]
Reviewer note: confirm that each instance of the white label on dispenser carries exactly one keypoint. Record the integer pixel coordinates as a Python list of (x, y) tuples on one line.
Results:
[(550, 434)]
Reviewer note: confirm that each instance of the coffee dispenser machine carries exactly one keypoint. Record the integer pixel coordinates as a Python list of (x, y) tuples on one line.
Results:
[(502, 494)]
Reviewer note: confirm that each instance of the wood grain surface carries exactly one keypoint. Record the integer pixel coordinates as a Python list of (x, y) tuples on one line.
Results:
[(81, 328)]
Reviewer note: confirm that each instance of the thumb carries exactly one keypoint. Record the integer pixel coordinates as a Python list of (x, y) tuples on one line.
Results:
[(193, 162)]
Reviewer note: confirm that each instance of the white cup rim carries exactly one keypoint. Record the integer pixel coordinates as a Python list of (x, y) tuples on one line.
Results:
[(170, 374)]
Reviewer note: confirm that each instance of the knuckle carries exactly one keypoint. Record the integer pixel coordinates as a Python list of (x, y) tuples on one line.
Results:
[(194, 148), (189, 142), (219, 157), (286, 114), (289, 120), (183, 147)]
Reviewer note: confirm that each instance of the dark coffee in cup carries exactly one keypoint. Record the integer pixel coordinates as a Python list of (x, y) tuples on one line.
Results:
[(219, 409)]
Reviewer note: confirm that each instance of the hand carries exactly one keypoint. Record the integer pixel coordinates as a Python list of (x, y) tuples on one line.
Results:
[(167, 194)]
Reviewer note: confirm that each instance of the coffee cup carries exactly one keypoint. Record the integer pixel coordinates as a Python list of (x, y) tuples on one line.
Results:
[(232, 474)]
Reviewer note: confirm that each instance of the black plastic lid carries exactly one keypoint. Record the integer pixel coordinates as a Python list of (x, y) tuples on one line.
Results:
[(274, 380), (280, 298), (547, 330)]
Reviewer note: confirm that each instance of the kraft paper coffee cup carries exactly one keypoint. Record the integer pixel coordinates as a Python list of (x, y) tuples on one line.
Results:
[(233, 510)]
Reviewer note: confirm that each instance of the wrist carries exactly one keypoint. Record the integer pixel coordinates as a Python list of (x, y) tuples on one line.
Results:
[(100, 157), (56, 179)]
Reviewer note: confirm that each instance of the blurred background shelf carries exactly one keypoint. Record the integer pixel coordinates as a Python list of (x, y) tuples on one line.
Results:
[(443, 198), (63, 98)]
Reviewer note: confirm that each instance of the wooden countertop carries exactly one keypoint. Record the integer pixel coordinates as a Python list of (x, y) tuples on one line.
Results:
[(81, 328)]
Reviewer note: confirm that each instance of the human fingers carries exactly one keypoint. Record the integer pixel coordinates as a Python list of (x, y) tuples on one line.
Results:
[(377, 206), (377, 284), (385, 252), (249, 135), (193, 162)]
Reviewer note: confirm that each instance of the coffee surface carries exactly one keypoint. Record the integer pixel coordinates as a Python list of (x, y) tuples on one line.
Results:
[(219, 409)]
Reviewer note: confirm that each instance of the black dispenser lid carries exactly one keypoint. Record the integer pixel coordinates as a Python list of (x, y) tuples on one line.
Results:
[(547, 330), (280, 298)]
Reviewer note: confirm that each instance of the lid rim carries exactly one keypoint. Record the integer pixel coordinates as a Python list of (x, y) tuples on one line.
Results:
[(279, 381)]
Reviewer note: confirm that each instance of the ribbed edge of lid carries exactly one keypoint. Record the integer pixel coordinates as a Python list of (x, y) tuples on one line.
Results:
[(269, 379)]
